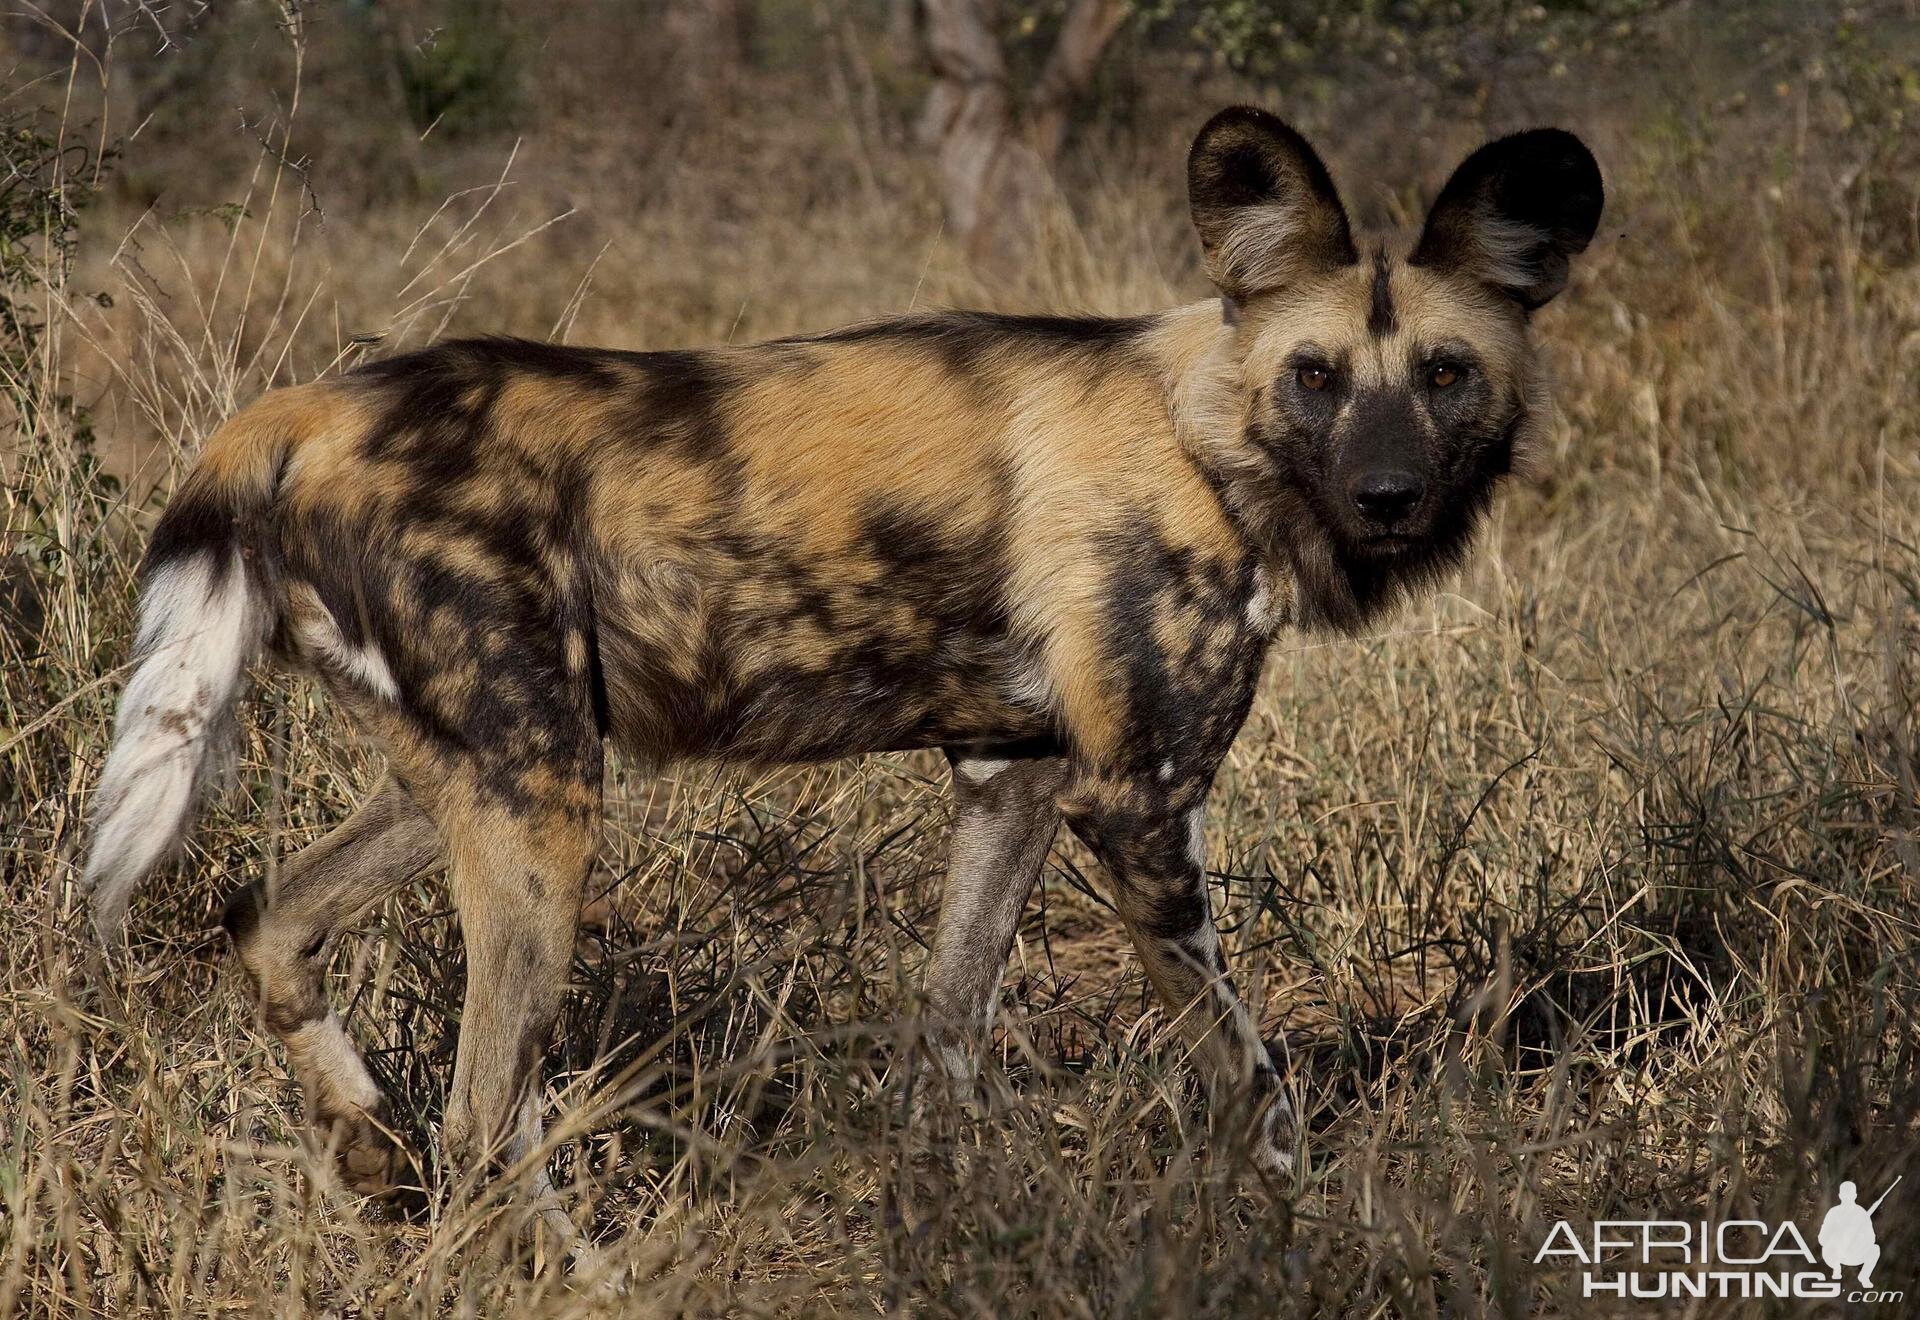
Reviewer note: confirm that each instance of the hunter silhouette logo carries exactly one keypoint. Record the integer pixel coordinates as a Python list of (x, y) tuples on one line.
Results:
[(1676, 1259), (1846, 1234)]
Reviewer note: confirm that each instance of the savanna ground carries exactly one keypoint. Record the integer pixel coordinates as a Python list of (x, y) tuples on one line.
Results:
[(1586, 890)]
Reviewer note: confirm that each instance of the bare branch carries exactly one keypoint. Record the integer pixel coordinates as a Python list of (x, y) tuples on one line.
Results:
[(1090, 25), (961, 44)]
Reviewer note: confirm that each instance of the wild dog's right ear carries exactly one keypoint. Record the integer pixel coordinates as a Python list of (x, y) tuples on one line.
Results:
[(1265, 206), (1515, 214)]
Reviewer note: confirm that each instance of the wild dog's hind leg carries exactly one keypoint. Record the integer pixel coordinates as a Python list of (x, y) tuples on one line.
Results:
[(1151, 842), (1004, 819), (281, 939)]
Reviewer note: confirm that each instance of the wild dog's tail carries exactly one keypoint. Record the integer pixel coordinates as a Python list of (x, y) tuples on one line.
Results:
[(206, 608)]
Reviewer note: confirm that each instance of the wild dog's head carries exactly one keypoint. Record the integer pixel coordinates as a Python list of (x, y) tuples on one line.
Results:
[(1374, 391)]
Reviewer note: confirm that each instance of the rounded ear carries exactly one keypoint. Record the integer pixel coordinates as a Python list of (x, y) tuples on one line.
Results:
[(1265, 206), (1515, 213)]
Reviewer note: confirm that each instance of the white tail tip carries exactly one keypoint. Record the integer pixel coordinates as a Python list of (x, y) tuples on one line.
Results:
[(200, 623)]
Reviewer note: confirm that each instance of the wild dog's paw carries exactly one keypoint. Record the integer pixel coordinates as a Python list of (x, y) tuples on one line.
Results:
[(1271, 1160), (368, 1156), (1273, 1131)]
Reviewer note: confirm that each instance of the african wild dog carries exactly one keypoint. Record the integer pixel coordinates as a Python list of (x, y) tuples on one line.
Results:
[(1054, 547)]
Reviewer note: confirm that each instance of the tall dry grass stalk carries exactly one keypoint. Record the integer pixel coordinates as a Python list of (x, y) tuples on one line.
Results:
[(1587, 890)]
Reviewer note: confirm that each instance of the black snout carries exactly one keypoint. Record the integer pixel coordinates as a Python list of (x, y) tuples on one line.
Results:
[(1386, 495)]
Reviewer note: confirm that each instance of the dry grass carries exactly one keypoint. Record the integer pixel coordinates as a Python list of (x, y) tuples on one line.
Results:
[(1587, 890)]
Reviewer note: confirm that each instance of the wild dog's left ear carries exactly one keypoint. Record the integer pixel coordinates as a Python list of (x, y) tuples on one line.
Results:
[(1515, 213)]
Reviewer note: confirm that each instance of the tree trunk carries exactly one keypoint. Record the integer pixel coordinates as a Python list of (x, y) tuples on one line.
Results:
[(710, 36), (995, 151)]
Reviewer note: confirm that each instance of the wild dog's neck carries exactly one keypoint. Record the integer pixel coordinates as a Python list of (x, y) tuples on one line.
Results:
[(1210, 406)]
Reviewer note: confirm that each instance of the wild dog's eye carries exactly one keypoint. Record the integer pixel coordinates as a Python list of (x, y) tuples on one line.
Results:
[(1443, 375), (1315, 378)]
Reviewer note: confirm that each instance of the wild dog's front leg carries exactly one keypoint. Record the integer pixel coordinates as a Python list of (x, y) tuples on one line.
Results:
[(1151, 842), (1004, 819)]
